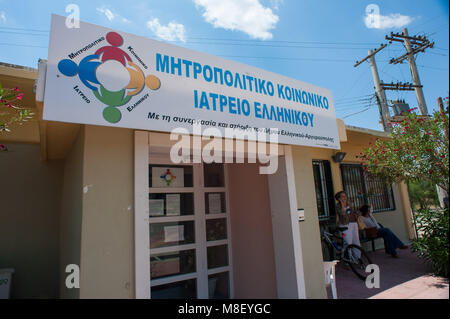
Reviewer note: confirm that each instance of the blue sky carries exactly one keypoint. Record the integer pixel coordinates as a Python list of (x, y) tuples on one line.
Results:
[(309, 40)]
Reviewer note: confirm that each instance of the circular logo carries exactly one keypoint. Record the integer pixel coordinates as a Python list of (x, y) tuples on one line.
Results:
[(112, 76)]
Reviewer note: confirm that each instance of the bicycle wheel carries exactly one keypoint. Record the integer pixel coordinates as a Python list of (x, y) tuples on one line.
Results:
[(357, 266)]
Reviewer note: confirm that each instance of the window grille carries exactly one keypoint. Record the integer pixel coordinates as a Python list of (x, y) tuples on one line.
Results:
[(364, 189)]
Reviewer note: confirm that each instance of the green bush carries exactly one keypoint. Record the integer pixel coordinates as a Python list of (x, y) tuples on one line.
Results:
[(422, 194), (432, 242)]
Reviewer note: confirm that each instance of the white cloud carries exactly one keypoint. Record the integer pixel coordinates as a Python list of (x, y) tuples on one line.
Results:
[(108, 13), (170, 32), (3, 16), (276, 3), (394, 20), (248, 16)]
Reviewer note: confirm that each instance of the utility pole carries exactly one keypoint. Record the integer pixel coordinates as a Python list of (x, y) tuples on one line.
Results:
[(413, 45), (380, 94)]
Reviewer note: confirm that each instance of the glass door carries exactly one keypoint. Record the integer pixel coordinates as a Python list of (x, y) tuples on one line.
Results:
[(189, 231), (217, 235)]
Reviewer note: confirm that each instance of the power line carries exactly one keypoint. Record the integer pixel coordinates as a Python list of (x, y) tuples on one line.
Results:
[(9, 32), (354, 102), (235, 40), (366, 109), (24, 45), (283, 58), (354, 83), (285, 41), (230, 56), (352, 108), (276, 45), (354, 97), (433, 68), (230, 44), (21, 29)]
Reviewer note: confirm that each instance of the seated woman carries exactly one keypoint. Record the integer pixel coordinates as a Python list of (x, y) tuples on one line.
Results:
[(391, 241)]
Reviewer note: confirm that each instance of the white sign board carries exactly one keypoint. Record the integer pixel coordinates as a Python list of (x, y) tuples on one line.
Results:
[(103, 77)]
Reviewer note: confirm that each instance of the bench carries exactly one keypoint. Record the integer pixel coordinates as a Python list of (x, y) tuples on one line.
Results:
[(366, 240)]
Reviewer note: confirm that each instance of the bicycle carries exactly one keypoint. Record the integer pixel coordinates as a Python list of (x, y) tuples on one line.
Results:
[(357, 265)]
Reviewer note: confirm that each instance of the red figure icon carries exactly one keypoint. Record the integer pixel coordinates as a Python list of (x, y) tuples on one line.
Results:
[(113, 52)]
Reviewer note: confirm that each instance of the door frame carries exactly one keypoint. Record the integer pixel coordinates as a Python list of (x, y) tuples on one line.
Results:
[(289, 233), (142, 221)]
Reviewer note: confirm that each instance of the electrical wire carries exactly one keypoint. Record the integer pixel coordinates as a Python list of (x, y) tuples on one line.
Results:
[(225, 43), (433, 68), (366, 109), (356, 81), (35, 34), (353, 102), (21, 29), (284, 58), (24, 45), (355, 97), (276, 45)]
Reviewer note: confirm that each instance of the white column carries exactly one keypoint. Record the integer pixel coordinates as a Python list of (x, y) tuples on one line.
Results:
[(286, 232), (141, 215)]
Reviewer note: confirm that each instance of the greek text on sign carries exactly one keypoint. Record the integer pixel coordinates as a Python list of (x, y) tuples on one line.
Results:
[(103, 77)]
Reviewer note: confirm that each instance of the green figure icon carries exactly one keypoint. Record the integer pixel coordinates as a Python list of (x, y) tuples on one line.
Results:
[(112, 99)]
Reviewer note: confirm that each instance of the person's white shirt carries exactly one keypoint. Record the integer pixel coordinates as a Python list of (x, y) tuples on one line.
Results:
[(370, 221)]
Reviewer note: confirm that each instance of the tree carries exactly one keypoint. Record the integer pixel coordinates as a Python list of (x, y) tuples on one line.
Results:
[(422, 195), (11, 113), (417, 151)]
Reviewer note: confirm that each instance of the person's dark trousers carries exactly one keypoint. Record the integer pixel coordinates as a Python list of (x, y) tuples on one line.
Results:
[(390, 240)]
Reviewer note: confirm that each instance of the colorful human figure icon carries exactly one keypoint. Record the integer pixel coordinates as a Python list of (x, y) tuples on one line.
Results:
[(85, 70), (152, 82), (168, 177), (68, 67), (113, 52), (112, 99), (137, 79)]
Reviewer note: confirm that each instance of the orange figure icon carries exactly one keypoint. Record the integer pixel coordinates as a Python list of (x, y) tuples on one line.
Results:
[(137, 79), (152, 82)]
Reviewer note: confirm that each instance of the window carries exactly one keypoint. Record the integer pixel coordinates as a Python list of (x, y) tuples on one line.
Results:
[(190, 253), (362, 189), (324, 189)]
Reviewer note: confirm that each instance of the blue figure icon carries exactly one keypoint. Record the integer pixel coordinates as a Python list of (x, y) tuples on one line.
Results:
[(85, 70)]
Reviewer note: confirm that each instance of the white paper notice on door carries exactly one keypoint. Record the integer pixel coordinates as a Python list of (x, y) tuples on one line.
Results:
[(173, 204), (173, 233), (156, 207), (214, 201)]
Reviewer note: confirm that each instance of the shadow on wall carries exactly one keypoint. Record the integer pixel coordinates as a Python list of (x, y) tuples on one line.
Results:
[(29, 228)]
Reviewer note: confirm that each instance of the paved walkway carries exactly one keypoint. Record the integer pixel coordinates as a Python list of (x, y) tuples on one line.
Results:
[(405, 277)]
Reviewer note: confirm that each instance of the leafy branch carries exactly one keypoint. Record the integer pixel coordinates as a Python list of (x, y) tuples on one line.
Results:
[(11, 112)]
